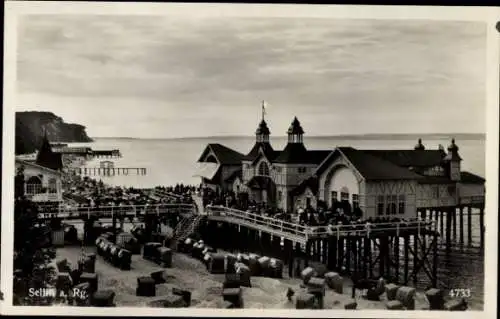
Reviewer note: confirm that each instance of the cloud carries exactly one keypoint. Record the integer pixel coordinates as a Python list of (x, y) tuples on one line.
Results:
[(346, 67)]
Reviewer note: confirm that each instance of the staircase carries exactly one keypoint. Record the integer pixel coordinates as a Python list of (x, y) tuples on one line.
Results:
[(186, 227)]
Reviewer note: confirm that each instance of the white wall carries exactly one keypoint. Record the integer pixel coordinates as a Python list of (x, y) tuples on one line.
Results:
[(343, 177), (301, 200), (45, 175)]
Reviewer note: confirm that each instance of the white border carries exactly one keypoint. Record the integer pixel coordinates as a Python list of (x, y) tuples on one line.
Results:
[(488, 15)]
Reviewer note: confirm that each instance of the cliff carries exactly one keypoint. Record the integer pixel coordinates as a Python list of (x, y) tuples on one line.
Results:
[(30, 127)]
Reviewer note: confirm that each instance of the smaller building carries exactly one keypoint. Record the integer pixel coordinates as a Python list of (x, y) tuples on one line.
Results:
[(41, 184), (43, 177)]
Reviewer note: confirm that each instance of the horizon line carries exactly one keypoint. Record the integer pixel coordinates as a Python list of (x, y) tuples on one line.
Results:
[(363, 135)]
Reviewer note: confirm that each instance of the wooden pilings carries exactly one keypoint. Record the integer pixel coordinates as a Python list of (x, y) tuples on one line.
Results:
[(481, 226), (373, 256), (452, 226), (461, 216), (111, 171), (469, 226)]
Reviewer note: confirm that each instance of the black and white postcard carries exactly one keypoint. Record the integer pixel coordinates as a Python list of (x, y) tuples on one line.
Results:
[(238, 159)]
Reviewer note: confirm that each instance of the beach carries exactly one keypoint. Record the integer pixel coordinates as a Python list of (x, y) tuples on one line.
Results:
[(191, 274)]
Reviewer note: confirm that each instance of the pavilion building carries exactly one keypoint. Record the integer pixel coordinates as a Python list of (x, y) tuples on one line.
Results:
[(375, 183)]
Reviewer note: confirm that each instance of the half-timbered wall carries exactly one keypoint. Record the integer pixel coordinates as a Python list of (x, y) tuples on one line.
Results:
[(295, 174), (380, 195), (436, 195), (248, 171), (301, 200), (468, 190)]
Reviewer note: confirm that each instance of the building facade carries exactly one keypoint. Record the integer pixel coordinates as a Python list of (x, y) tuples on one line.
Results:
[(43, 176), (41, 184), (371, 183)]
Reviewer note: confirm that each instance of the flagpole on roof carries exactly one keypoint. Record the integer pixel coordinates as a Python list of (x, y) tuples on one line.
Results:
[(263, 109)]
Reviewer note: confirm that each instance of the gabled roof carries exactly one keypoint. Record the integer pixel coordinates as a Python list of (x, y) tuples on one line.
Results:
[(225, 155), (296, 153), (233, 176), (376, 168), (369, 166), (47, 158), (311, 182), (260, 182), (268, 150), (410, 158), (469, 178), (28, 163), (435, 180)]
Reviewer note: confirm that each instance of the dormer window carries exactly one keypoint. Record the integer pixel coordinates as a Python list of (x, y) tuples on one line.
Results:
[(263, 169)]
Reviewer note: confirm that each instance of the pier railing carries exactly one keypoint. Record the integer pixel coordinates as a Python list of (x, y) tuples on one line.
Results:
[(112, 211), (302, 233)]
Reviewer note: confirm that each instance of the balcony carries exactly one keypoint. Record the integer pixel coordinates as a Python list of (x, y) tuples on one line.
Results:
[(38, 193)]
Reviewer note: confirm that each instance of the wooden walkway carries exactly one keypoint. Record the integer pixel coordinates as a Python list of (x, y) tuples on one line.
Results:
[(275, 227), (301, 234), (115, 211)]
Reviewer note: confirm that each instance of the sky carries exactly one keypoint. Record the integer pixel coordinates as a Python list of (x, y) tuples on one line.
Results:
[(166, 77)]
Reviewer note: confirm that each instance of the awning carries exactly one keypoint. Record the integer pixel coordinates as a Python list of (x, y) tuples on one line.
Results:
[(206, 170)]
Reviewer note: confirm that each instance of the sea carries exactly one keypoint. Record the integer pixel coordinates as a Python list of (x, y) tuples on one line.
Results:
[(172, 161)]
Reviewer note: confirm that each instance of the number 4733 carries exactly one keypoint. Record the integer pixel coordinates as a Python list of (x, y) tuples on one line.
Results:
[(460, 293)]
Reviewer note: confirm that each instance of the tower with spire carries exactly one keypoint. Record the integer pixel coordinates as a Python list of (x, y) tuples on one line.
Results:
[(419, 146), (46, 157), (262, 133), (295, 132), (452, 160)]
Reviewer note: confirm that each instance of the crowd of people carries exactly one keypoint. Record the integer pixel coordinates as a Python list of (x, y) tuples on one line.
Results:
[(87, 192), (341, 213)]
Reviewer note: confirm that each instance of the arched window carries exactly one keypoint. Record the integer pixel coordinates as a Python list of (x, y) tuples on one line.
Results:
[(34, 185), (52, 186), (264, 169), (344, 194)]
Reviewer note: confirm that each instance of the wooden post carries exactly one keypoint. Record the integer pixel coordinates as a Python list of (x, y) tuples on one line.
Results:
[(382, 253), (461, 212), (318, 250), (415, 258), (469, 226), (407, 258), (324, 258), (332, 253), (434, 262), (454, 221), (348, 254), (481, 223), (441, 224), (364, 260), (340, 256), (290, 256), (276, 250), (370, 266), (396, 258), (448, 230), (308, 253), (298, 253)]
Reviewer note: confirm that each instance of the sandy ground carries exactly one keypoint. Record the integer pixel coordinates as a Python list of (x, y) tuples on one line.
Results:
[(190, 274)]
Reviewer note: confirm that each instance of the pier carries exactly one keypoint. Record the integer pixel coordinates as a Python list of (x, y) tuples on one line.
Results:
[(400, 251), (110, 171), (457, 232), (86, 152)]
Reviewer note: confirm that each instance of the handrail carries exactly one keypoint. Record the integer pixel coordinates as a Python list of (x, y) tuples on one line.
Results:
[(155, 209), (311, 231)]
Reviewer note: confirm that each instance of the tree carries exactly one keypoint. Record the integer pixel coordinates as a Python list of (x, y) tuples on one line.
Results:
[(32, 251)]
